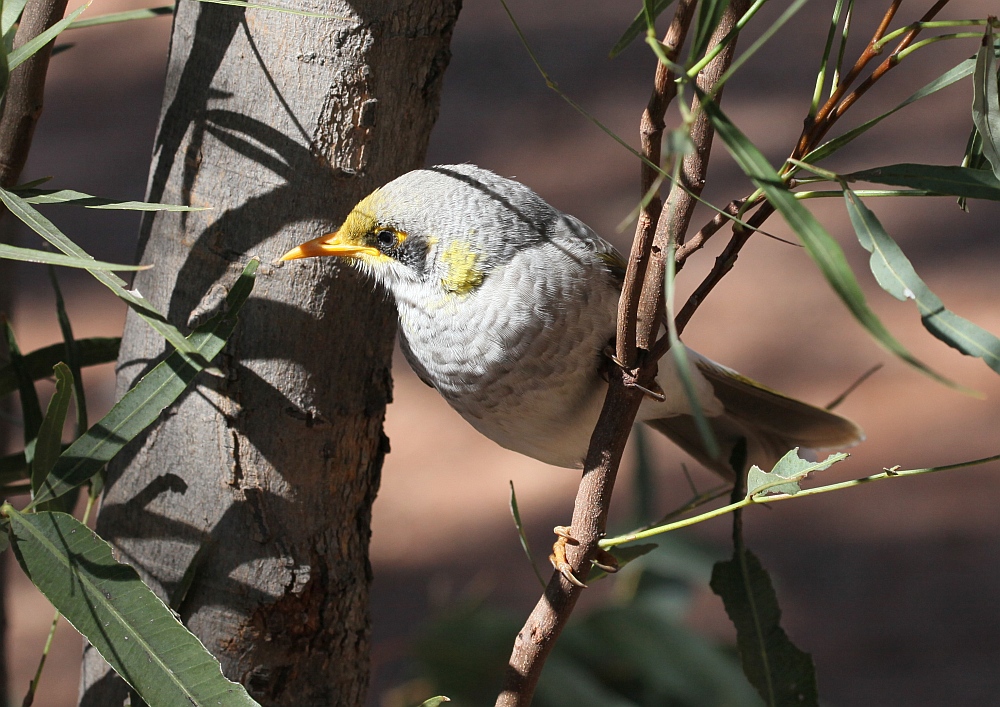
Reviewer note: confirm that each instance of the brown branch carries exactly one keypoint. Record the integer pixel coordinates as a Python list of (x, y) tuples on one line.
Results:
[(696, 242), (813, 132), (651, 135), (676, 218), (816, 129), (25, 93), (537, 637)]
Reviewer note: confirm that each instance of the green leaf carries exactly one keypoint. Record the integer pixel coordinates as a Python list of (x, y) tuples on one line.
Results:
[(72, 356), (49, 445), (78, 198), (24, 52), (38, 364), (986, 100), (623, 554), (47, 230), (31, 409), (822, 248), (121, 617), (895, 274), (30, 255), (516, 513), (946, 79), (946, 180), (709, 14), (638, 26), (786, 474), (275, 8), (783, 674), (142, 405), (9, 17), (435, 701), (144, 13)]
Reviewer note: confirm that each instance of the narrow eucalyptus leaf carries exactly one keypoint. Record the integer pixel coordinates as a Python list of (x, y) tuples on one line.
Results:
[(78, 198), (72, 355), (435, 701), (49, 445), (10, 15), (709, 14), (895, 274), (38, 364), (21, 54), (31, 409), (30, 255), (142, 405), (121, 617), (781, 673), (126, 16), (986, 100), (638, 27), (47, 230), (822, 248), (947, 180)]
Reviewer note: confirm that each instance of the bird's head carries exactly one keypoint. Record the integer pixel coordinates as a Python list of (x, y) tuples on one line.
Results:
[(441, 230)]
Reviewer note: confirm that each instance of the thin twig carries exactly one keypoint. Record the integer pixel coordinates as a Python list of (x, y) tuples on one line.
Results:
[(651, 134)]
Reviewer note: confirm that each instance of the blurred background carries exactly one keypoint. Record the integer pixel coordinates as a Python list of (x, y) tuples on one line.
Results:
[(892, 588)]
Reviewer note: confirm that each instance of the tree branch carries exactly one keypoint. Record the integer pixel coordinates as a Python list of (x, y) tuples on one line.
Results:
[(538, 636), (25, 93)]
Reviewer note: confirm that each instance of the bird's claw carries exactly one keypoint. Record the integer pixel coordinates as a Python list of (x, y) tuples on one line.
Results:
[(558, 556), (604, 560)]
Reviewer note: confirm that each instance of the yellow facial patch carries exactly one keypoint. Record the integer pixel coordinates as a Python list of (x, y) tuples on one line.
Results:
[(461, 276), (361, 223)]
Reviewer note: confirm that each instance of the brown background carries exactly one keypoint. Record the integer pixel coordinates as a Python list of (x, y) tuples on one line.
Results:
[(892, 588)]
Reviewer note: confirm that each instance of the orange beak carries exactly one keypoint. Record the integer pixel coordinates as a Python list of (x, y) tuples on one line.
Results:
[(330, 244)]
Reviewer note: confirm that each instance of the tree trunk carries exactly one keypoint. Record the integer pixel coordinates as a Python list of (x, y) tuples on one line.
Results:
[(247, 506)]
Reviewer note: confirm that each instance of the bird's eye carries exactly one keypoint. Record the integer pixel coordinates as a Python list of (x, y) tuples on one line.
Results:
[(385, 239)]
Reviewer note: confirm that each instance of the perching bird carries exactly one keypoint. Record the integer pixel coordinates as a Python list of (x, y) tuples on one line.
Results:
[(507, 306)]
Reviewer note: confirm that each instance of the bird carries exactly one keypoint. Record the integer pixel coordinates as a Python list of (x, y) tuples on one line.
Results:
[(507, 307)]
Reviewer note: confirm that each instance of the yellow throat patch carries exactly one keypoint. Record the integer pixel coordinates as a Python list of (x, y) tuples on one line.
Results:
[(462, 276)]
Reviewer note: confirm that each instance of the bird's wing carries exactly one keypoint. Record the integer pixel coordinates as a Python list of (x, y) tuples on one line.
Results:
[(770, 422)]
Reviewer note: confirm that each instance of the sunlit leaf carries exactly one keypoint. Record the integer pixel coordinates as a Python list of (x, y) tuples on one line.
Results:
[(822, 248), (38, 364), (128, 15), (141, 406), (49, 445), (121, 617), (21, 54), (895, 274), (986, 100), (782, 673), (786, 474), (47, 230), (77, 198), (947, 180), (435, 701), (30, 255)]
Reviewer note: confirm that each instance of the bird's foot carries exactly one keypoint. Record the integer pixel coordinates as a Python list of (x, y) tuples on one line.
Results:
[(604, 560), (651, 390)]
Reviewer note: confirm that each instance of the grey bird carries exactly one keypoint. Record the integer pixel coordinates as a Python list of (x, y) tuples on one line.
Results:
[(507, 306)]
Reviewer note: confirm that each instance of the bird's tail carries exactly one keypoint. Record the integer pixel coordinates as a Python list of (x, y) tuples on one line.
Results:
[(770, 422)]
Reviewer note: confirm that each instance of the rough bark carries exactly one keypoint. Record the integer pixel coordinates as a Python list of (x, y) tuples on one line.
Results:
[(247, 506)]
